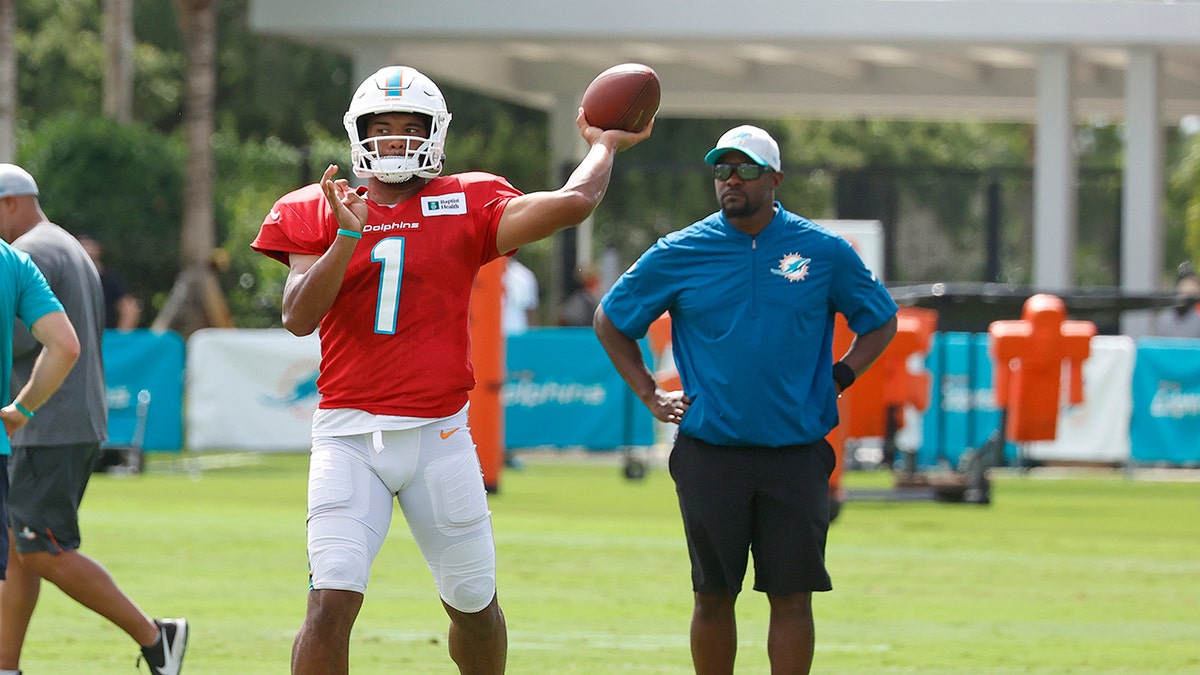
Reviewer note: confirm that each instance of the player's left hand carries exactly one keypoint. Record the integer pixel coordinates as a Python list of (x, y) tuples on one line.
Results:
[(348, 207)]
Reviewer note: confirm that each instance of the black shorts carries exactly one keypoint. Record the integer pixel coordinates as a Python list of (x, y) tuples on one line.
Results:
[(772, 502), (46, 485)]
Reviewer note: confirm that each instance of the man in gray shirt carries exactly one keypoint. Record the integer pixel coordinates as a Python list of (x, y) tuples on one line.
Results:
[(54, 452)]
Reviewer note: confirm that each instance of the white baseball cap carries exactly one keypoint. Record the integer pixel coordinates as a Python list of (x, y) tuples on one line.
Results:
[(754, 142), (15, 181)]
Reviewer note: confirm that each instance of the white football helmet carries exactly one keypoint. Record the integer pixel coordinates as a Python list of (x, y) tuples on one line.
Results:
[(397, 89)]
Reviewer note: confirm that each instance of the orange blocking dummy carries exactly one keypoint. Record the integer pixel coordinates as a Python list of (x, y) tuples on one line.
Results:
[(888, 384), (659, 335), (1028, 355), (880, 394), (487, 356)]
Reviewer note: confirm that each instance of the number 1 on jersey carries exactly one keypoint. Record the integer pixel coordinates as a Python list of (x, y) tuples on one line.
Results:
[(390, 254)]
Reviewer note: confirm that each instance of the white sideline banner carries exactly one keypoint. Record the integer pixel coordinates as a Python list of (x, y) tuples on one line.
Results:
[(1096, 430), (251, 389)]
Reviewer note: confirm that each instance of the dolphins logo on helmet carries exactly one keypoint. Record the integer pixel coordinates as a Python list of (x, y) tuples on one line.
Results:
[(397, 89)]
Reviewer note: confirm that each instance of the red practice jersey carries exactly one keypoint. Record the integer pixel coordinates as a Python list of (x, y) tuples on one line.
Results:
[(397, 340)]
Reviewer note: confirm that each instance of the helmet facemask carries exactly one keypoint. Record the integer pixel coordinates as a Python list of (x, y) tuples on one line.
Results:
[(397, 89)]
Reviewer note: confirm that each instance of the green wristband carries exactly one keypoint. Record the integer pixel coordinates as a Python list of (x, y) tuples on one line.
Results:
[(350, 233), (23, 410)]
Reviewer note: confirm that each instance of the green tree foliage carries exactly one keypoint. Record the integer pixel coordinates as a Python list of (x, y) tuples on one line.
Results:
[(60, 54), (54, 39), (265, 86), (280, 107), (118, 183), (267, 129)]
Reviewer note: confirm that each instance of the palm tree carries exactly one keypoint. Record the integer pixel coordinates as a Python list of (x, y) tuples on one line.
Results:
[(196, 300), (118, 64), (8, 80)]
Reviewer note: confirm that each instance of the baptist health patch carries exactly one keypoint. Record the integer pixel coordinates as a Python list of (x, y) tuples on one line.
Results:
[(454, 204)]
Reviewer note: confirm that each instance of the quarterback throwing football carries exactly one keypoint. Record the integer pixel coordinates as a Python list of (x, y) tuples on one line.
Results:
[(384, 272)]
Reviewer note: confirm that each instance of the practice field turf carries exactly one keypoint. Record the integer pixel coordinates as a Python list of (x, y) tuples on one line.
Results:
[(1084, 574)]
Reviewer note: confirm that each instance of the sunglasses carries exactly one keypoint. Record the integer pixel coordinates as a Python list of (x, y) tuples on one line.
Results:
[(747, 171)]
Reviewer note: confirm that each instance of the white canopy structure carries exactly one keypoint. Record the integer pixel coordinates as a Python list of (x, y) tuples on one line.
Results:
[(1051, 62)]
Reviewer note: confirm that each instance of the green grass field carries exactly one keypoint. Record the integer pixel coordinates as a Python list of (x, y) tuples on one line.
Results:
[(1095, 574)]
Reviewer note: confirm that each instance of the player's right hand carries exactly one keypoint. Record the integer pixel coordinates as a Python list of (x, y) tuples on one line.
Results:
[(348, 207), (616, 139)]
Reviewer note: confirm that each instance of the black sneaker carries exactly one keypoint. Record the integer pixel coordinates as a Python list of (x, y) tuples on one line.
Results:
[(166, 656)]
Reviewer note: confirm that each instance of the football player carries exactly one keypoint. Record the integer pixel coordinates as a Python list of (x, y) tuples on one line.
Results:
[(384, 272)]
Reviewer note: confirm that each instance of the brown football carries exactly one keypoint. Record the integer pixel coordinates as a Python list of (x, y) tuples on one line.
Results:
[(623, 97)]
